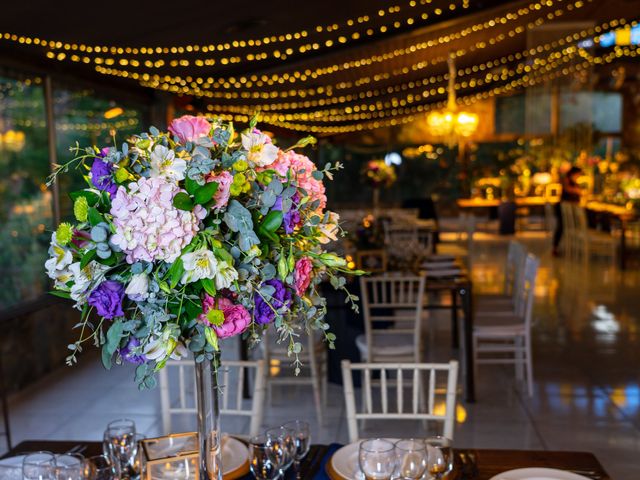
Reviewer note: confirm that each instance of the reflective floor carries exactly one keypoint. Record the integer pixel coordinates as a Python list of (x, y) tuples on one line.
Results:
[(586, 369)]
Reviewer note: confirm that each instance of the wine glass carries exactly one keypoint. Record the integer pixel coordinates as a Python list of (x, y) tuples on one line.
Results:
[(264, 460), (100, 468), (281, 438), (302, 439), (411, 456), (70, 467), (120, 441), (439, 457), (377, 459), (39, 466), (136, 461)]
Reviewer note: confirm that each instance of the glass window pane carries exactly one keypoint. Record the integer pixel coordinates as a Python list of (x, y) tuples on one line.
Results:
[(26, 216), (85, 117)]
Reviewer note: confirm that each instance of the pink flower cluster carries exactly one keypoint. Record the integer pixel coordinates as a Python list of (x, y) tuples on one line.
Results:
[(303, 169), (148, 226), (224, 180), (302, 275), (236, 317), (189, 128)]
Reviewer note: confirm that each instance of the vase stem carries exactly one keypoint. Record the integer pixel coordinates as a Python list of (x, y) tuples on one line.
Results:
[(209, 436)]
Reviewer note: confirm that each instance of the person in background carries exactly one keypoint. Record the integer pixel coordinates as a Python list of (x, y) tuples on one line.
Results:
[(571, 192)]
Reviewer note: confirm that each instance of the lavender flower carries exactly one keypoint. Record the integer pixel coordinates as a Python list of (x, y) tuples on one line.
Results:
[(101, 175), (106, 298), (127, 352), (263, 312)]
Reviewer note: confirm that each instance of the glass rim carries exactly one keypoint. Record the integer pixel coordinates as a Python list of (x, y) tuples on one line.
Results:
[(420, 444), (301, 423), (44, 453), (381, 440), (280, 428)]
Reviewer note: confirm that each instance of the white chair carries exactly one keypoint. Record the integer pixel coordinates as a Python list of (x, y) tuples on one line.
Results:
[(589, 241), (508, 340), (392, 307), (314, 367), (402, 376), (513, 278), (177, 391)]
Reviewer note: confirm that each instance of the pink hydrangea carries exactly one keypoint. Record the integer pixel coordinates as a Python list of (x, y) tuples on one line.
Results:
[(302, 275), (236, 317), (148, 226), (189, 128), (224, 180), (303, 169)]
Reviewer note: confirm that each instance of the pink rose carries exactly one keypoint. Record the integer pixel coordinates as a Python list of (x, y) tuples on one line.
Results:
[(224, 180), (189, 128), (302, 275), (236, 317)]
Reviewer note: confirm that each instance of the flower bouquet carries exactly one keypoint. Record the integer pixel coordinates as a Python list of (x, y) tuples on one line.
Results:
[(186, 237)]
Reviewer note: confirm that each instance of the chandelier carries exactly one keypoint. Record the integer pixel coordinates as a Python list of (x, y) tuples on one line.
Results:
[(452, 123)]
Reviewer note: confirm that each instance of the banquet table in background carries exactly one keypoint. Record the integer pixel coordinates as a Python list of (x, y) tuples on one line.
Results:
[(471, 464)]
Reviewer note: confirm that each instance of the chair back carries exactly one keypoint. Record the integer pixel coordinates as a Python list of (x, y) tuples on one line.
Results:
[(418, 378), (514, 267), (525, 294), (178, 387), (392, 305)]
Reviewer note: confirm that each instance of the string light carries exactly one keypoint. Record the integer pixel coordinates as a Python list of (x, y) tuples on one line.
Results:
[(297, 76), (351, 29), (525, 81)]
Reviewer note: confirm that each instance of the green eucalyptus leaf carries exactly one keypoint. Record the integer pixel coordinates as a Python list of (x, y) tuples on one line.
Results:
[(206, 193), (183, 201)]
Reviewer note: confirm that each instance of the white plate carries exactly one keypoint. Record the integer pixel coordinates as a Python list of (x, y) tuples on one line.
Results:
[(538, 474), (234, 455), (344, 461)]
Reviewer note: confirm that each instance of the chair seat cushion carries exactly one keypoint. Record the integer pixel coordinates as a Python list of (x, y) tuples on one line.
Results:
[(387, 345)]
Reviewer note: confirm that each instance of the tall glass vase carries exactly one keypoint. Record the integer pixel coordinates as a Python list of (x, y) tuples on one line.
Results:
[(209, 435)]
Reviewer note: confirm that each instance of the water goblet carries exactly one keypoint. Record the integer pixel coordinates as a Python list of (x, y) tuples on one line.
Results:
[(39, 466), (302, 439), (377, 459), (70, 467), (265, 460), (411, 456), (100, 468), (282, 438), (439, 457), (121, 444)]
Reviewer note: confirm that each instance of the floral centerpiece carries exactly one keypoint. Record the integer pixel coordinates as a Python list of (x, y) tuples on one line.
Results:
[(379, 174), (186, 237)]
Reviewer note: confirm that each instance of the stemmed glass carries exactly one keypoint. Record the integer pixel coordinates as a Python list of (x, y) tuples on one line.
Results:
[(282, 439), (411, 455), (120, 443), (100, 468), (302, 440), (265, 460), (70, 467), (377, 459), (439, 456), (39, 466)]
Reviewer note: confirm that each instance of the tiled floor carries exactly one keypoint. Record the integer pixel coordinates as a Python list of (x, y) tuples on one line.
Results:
[(587, 376)]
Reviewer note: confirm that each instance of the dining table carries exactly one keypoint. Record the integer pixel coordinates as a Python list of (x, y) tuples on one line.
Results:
[(470, 463)]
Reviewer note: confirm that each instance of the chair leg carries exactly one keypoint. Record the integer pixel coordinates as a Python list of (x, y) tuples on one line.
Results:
[(520, 358), (529, 359)]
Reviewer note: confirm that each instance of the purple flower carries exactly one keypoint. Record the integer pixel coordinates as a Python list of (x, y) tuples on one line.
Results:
[(101, 174), (107, 299), (263, 312), (127, 352), (291, 219)]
